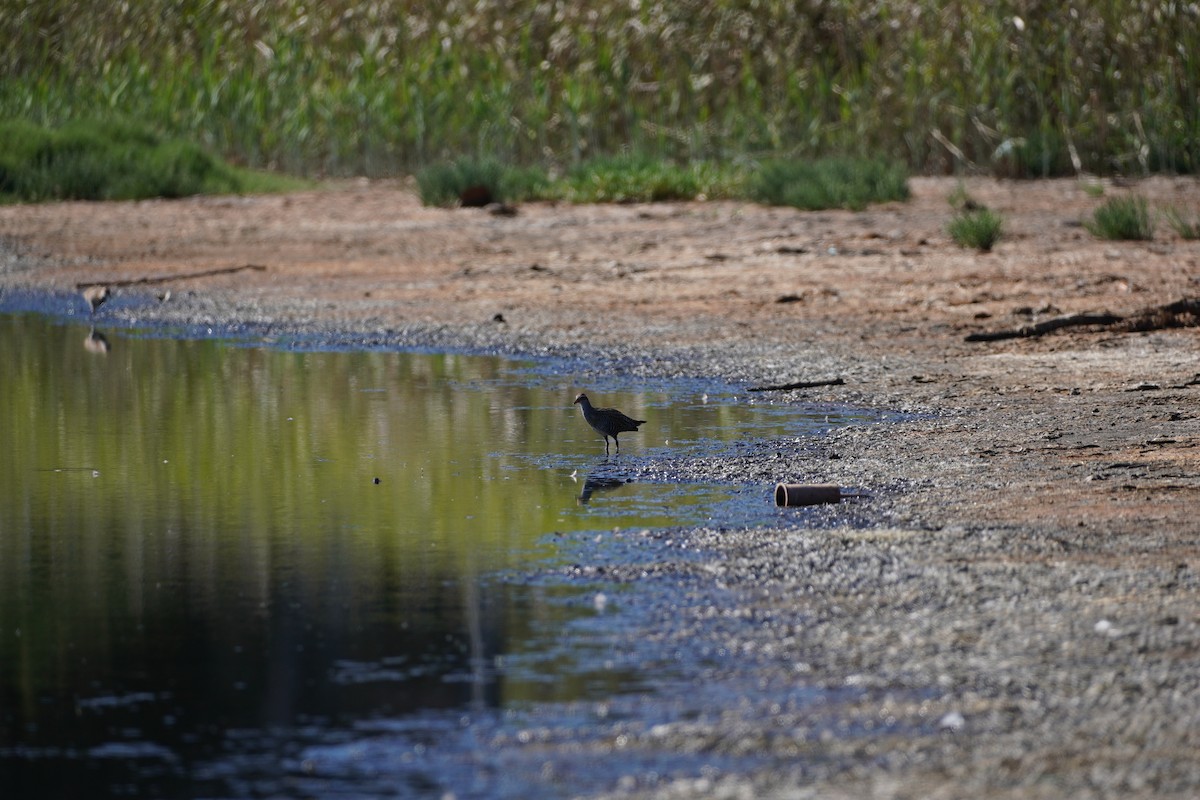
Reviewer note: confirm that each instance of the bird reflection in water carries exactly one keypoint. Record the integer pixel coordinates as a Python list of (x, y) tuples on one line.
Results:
[(96, 342), (593, 485)]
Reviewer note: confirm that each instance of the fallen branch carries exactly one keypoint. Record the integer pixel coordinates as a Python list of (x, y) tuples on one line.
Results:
[(1183, 313), (177, 277), (783, 387), (1044, 327)]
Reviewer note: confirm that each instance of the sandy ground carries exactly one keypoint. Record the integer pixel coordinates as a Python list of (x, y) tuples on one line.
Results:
[(1020, 617)]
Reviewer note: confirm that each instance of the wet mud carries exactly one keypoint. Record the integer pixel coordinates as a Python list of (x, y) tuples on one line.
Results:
[(1015, 612)]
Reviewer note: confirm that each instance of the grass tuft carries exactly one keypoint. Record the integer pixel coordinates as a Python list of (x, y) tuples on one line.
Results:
[(1122, 218), (829, 183), (1185, 227), (980, 229)]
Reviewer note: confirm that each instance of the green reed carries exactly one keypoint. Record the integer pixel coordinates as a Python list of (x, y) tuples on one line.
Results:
[(376, 88)]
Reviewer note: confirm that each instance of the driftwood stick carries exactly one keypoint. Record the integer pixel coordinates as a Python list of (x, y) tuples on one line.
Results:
[(176, 277), (1183, 313), (783, 387), (1045, 326), (1188, 305)]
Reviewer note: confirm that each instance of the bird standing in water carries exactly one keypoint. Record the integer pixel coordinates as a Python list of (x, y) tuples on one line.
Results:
[(607, 421), (95, 296)]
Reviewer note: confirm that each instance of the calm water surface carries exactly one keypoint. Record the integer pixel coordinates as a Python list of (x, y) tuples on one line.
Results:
[(217, 559)]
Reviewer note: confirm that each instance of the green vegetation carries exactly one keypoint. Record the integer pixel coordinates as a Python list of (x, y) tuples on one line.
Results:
[(980, 229), (447, 184), (974, 224), (829, 183), (383, 87), (825, 183), (112, 160), (1187, 228), (960, 200), (628, 179), (244, 449), (1122, 218)]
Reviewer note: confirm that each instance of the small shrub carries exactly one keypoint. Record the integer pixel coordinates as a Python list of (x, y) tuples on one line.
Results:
[(1122, 218), (829, 183), (1186, 228), (477, 182), (980, 229)]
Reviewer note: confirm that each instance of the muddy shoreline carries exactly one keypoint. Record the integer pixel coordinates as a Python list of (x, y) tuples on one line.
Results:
[(1014, 615)]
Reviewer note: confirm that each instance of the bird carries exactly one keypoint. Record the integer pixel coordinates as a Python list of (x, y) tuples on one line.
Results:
[(607, 421), (95, 296)]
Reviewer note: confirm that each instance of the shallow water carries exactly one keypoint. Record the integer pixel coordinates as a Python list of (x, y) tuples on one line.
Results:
[(232, 570)]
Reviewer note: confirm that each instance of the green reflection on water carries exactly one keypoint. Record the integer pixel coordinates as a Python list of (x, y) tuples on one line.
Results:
[(192, 536), (231, 477), (201, 460)]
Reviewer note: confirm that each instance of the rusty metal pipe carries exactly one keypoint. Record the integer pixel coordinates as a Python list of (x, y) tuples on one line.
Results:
[(807, 494)]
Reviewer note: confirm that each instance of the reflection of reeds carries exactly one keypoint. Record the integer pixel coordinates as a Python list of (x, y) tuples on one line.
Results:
[(375, 87)]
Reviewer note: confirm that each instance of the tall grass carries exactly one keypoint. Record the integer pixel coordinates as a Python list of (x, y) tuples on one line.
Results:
[(1186, 226), (380, 86)]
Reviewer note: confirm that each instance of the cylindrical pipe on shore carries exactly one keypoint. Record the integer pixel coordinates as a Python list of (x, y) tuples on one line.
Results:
[(807, 494)]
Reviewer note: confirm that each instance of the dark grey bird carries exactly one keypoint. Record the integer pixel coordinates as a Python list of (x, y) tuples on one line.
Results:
[(95, 296), (607, 421)]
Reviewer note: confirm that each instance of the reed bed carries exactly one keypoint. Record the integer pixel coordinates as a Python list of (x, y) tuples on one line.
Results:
[(380, 88)]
